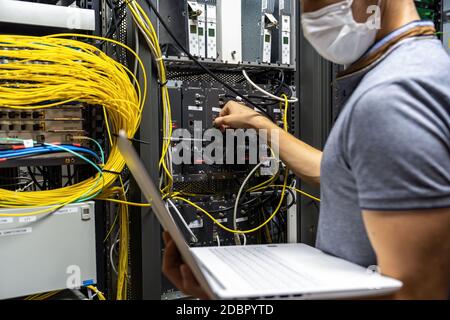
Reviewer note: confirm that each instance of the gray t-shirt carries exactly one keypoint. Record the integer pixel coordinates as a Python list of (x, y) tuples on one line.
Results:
[(390, 146)]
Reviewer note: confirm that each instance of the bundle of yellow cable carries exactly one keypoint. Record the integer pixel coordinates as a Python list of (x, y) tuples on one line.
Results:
[(43, 72), (147, 29)]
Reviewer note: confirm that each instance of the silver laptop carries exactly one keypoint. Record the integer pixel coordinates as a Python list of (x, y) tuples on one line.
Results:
[(291, 271)]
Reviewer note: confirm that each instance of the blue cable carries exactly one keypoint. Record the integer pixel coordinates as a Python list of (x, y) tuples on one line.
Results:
[(88, 161), (45, 149)]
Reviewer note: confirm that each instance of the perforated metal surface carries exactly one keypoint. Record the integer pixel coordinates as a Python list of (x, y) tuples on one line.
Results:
[(230, 78), (121, 34)]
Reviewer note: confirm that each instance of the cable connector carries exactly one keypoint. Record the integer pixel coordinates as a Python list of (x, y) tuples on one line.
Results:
[(237, 239)]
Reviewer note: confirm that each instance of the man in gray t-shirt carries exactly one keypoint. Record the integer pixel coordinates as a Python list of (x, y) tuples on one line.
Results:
[(385, 170)]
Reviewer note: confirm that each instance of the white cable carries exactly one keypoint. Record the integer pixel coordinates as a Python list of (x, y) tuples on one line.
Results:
[(194, 238), (30, 184), (254, 85), (25, 187), (127, 186), (170, 160), (90, 294), (136, 49), (111, 260), (237, 240), (245, 239), (218, 240)]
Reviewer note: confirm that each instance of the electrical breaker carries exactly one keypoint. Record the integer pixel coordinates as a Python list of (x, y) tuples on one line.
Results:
[(201, 28), (282, 39), (211, 29), (194, 11)]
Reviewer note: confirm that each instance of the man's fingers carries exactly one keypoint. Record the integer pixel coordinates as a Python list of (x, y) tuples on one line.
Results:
[(225, 110), (221, 121), (190, 284), (166, 237), (172, 255), (171, 264)]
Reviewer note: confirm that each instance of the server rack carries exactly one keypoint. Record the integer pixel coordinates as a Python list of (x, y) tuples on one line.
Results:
[(146, 244)]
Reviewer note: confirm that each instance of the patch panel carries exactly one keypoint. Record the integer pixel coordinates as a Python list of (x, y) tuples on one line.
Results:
[(57, 124)]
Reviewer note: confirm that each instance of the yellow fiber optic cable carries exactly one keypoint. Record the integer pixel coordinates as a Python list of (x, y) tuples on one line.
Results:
[(68, 70)]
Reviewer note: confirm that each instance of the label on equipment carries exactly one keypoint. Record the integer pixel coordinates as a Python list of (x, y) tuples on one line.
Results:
[(66, 211), (6, 220), (215, 109), (27, 219), (197, 224), (28, 143), (195, 108), (264, 4), (15, 232)]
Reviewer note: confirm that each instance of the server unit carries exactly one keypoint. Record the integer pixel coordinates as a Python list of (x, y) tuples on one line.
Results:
[(47, 251), (258, 26), (211, 29), (229, 34), (282, 36), (194, 12), (46, 15)]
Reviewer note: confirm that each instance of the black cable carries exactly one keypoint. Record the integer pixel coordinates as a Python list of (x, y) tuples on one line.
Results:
[(69, 176), (33, 177), (282, 81), (204, 68), (116, 21), (316, 205), (17, 184), (288, 206), (42, 172), (231, 208), (133, 139), (251, 201)]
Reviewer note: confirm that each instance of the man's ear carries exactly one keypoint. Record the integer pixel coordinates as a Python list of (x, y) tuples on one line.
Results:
[(314, 5)]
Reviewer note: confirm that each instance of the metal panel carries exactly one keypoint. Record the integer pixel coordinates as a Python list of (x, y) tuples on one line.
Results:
[(41, 253), (145, 230), (256, 34), (282, 40), (446, 27), (211, 29), (229, 37), (174, 13), (46, 15), (315, 76)]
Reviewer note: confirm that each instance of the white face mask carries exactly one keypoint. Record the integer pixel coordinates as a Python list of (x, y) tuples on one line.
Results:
[(335, 34)]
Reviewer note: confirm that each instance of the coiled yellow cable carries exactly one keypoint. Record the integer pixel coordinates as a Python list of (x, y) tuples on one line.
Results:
[(43, 72)]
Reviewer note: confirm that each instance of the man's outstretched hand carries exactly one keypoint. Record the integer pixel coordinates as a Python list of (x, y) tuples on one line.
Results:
[(238, 116)]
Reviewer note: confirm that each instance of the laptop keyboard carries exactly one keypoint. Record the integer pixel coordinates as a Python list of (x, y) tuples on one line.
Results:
[(260, 268)]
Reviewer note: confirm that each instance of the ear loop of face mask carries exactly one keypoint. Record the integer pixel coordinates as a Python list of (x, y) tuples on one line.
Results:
[(324, 10), (318, 15)]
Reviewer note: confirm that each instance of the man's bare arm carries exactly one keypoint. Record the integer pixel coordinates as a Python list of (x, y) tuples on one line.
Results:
[(413, 247), (300, 157)]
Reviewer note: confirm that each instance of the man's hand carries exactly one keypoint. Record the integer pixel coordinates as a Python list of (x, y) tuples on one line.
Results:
[(238, 116), (178, 272), (300, 157)]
